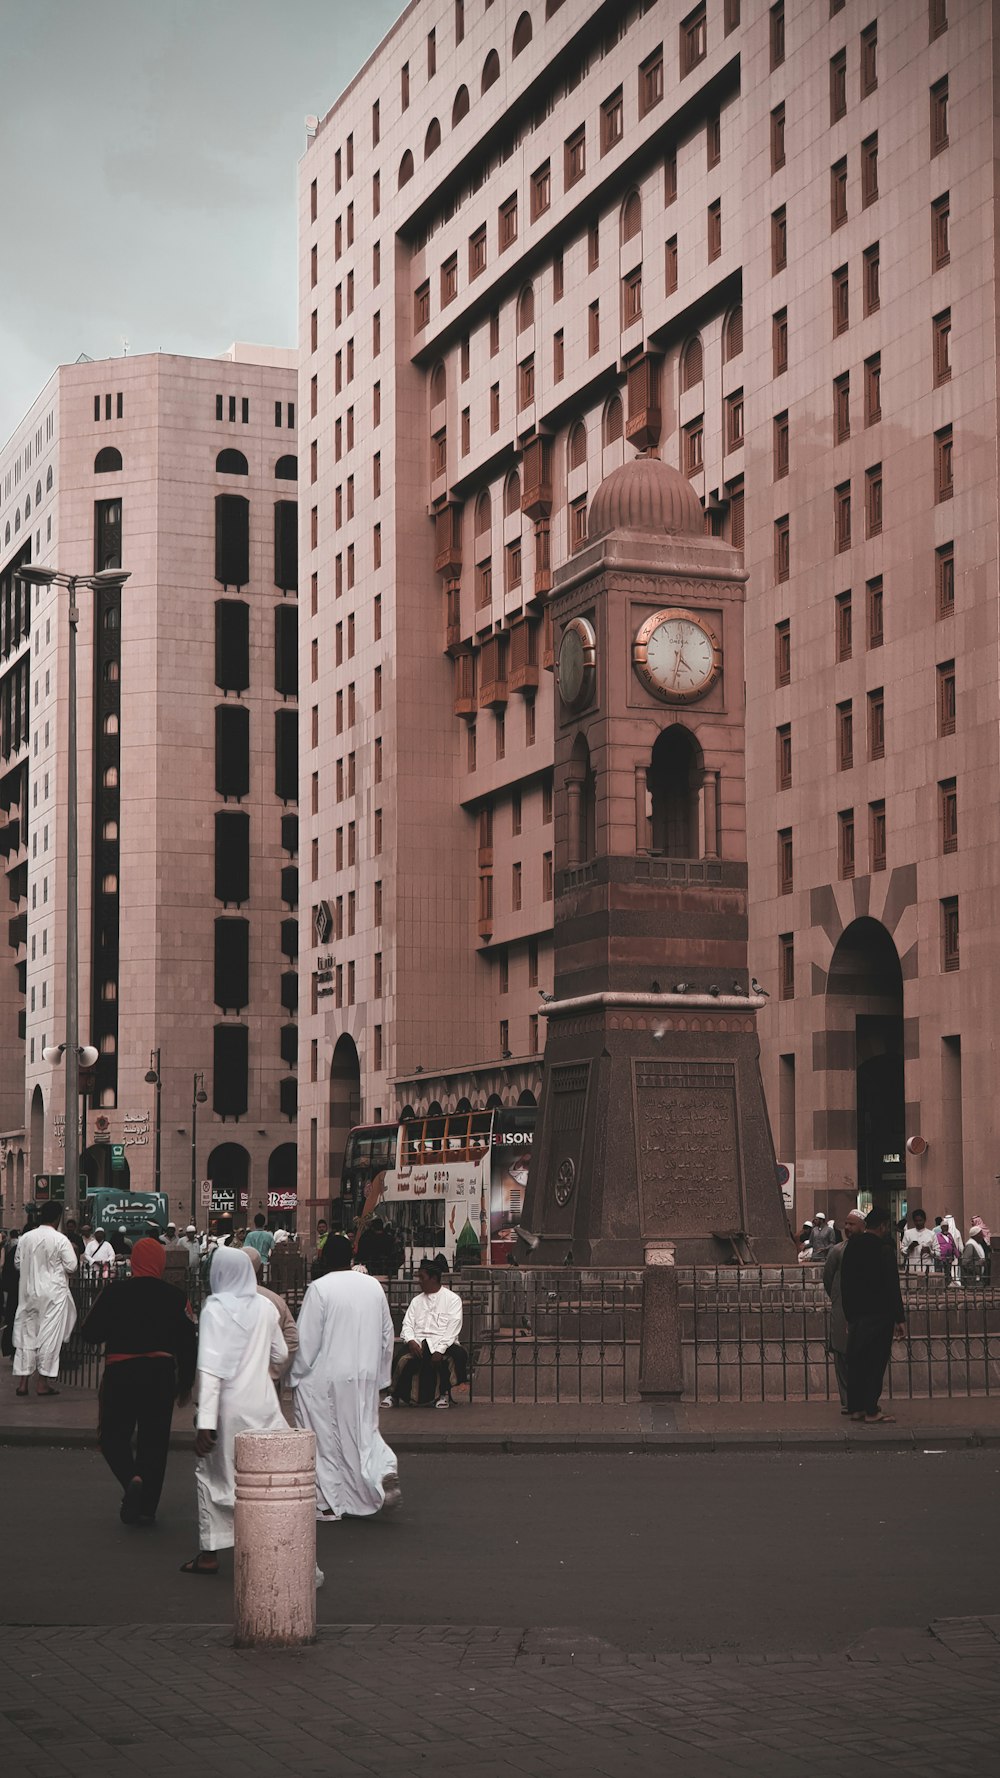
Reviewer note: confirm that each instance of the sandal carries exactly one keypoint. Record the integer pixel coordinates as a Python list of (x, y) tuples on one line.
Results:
[(22, 1391), (44, 1392), (197, 1566), (878, 1419)]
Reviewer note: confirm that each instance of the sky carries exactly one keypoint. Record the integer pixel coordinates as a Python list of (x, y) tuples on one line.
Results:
[(148, 155)]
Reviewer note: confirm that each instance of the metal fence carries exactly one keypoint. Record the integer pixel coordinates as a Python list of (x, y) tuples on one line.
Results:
[(762, 1334), (533, 1335)]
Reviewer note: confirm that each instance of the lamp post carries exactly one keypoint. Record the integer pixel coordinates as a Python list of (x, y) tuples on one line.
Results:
[(33, 575), (198, 1097), (153, 1080), (85, 1057)]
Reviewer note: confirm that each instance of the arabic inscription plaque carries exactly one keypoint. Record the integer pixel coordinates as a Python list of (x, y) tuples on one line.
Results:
[(689, 1178)]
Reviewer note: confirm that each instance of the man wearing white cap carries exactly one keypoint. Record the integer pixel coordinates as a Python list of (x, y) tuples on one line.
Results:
[(823, 1235), (189, 1242)]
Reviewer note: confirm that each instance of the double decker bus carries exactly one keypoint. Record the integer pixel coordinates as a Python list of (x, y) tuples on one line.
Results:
[(438, 1179)]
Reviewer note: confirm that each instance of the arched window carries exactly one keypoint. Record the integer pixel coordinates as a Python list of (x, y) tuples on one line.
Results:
[(512, 494), (732, 338), (484, 512), (38, 493), (432, 139), (6, 535), (111, 672), (631, 216), (107, 460), (231, 463), (48, 479), (286, 469), (405, 169), (110, 778), (674, 780), (460, 108), (491, 71), (613, 422), (692, 363), (576, 449), (17, 520), (581, 804), (110, 724), (439, 385), (27, 506), (522, 34), (526, 308)]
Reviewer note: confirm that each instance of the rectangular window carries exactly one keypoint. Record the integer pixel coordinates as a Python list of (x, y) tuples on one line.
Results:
[(612, 121), (779, 341), (484, 583), (873, 389), (694, 39), (782, 548), (694, 446), (842, 516), (781, 442), (578, 522), (513, 564), (558, 278), (939, 115), (841, 301), (785, 862), (515, 887), (844, 626), (594, 246), (376, 194), (869, 60), (845, 735), (944, 484), (871, 293), (842, 408), (541, 191), (714, 229), (786, 966), (949, 932), (421, 305), (507, 223), (449, 279), (876, 835), (594, 328), (477, 252), (779, 240), (558, 357), (376, 124), (784, 756), (404, 86), (838, 86), (713, 140), (671, 265), (942, 347), (777, 34), (940, 237), (734, 420), (651, 81), (944, 579), (494, 333), (869, 170), (670, 178), (495, 407), (500, 734), (838, 193), (431, 54), (778, 137), (783, 652), (938, 18), (845, 842), (876, 724), (948, 810), (575, 157), (946, 702), (632, 297), (873, 501), (547, 881)]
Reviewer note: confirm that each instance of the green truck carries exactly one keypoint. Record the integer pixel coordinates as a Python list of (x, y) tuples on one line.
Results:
[(132, 1211)]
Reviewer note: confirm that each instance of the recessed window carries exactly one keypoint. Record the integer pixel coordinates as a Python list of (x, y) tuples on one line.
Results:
[(946, 701), (845, 735), (778, 137), (838, 193), (670, 266), (876, 724), (779, 240), (873, 389), (845, 842), (949, 933), (781, 444), (845, 626), (782, 548), (715, 229), (783, 652), (779, 341), (842, 516), (777, 34), (842, 407), (694, 446), (786, 966), (869, 60), (869, 170), (477, 252), (948, 814), (944, 485), (541, 190), (734, 420), (693, 40), (942, 347), (651, 81), (713, 140), (871, 293), (449, 280), (876, 835), (575, 157), (612, 121), (940, 239), (938, 18), (841, 301), (939, 115), (944, 579), (873, 500), (838, 86), (875, 605), (507, 224), (632, 297), (785, 862)]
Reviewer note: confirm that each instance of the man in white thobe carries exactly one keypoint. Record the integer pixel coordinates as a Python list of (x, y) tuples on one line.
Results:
[(343, 1361), (432, 1364), (239, 1338), (99, 1251), (46, 1312)]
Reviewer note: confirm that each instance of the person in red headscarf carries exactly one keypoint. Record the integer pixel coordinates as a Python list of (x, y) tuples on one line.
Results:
[(150, 1346)]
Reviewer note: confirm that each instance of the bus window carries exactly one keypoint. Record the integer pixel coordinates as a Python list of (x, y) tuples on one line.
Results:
[(480, 1131)]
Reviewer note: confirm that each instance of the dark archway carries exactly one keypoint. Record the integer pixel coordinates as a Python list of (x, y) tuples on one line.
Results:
[(282, 1186), (581, 798), (345, 1104), (864, 1005), (36, 1135), (674, 781), (526, 1098)]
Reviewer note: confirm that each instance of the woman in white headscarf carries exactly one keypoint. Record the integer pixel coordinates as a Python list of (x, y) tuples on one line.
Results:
[(239, 1339)]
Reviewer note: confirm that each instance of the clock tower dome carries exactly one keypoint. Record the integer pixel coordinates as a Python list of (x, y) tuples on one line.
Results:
[(654, 1138)]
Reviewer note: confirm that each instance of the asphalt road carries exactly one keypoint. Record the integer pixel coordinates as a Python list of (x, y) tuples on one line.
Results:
[(752, 1553)]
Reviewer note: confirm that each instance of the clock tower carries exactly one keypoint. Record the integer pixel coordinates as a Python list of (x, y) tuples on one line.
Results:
[(654, 1140)]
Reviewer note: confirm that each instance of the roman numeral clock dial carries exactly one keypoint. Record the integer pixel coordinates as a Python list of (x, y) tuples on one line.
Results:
[(677, 656)]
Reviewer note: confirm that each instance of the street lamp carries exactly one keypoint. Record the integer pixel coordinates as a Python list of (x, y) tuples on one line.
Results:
[(153, 1079), (198, 1097), (86, 1056), (34, 576)]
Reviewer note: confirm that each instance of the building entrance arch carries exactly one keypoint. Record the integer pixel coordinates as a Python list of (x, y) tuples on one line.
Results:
[(36, 1137), (345, 1104), (864, 1018)]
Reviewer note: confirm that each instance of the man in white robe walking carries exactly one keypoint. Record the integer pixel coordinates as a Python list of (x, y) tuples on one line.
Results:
[(46, 1312), (343, 1361)]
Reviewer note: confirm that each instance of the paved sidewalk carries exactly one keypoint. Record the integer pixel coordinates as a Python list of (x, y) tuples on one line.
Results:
[(71, 1419), (489, 1703)]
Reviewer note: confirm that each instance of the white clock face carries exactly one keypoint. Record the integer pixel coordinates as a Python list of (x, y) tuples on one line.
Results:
[(676, 656), (577, 652)]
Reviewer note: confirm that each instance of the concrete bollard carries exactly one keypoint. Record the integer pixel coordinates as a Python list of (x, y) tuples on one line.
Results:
[(274, 1571), (661, 1363)]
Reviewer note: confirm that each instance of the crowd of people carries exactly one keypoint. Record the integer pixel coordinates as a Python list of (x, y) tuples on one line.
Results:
[(340, 1357), (922, 1247)]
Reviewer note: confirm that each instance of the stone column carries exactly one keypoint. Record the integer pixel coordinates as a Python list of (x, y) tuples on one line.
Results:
[(710, 796), (274, 1571)]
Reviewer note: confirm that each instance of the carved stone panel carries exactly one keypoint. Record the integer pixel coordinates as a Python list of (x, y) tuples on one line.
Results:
[(568, 1087), (688, 1149)]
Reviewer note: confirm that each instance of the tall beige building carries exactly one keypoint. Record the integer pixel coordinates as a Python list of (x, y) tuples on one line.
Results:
[(183, 472), (758, 240)]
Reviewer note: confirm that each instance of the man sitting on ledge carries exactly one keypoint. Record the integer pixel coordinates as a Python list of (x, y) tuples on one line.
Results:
[(430, 1363)]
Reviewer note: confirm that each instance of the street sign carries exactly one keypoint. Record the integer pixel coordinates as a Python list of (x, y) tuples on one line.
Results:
[(206, 1194), (117, 1157)]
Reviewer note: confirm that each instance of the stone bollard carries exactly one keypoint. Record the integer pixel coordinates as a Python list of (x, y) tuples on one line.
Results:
[(274, 1570), (661, 1365)]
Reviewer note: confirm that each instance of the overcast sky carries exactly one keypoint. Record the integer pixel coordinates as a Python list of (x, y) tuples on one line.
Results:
[(148, 153)]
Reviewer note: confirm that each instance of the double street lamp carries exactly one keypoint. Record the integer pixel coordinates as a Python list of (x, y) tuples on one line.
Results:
[(198, 1097), (35, 576), (152, 1078)]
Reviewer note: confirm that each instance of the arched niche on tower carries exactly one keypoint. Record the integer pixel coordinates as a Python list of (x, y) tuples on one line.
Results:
[(674, 779)]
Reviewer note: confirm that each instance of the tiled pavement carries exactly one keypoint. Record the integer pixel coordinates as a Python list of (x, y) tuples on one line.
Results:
[(491, 1703)]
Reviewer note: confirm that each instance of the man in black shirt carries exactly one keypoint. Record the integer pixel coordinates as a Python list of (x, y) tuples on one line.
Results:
[(151, 1346), (873, 1309)]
